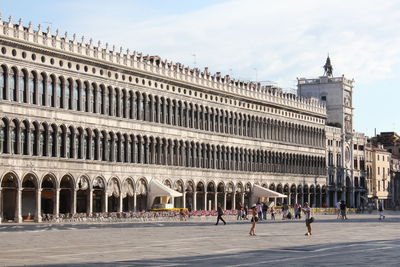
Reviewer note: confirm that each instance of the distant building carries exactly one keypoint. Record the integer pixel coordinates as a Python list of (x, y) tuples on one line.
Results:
[(381, 177)]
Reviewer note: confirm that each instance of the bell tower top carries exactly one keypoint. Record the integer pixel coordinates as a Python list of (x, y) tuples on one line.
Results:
[(328, 69)]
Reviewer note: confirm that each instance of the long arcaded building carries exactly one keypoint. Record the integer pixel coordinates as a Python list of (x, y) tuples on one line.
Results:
[(84, 128)]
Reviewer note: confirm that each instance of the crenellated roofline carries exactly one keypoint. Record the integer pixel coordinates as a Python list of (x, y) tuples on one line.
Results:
[(154, 65)]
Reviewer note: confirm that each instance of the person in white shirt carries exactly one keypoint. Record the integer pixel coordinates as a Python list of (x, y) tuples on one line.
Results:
[(338, 209), (309, 219)]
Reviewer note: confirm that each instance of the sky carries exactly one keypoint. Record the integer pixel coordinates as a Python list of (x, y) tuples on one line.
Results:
[(273, 42)]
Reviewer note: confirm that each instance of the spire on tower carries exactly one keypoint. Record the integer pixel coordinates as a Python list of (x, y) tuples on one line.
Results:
[(328, 69)]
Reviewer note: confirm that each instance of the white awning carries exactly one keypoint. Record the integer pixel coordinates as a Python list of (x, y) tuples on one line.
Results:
[(259, 191), (157, 189)]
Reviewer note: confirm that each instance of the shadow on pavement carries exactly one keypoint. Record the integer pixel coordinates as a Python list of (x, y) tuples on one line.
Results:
[(371, 253)]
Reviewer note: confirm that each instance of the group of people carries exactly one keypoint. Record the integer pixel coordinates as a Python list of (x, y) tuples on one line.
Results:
[(262, 210), (306, 210), (341, 210), (259, 212)]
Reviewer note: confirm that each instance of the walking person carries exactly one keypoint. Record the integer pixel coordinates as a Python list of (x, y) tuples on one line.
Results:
[(309, 219), (272, 213), (239, 212), (254, 220), (380, 209), (245, 211), (297, 211), (259, 210), (343, 209), (189, 210), (338, 209), (220, 213), (264, 211)]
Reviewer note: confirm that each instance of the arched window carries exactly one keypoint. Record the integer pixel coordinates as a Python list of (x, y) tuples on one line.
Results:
[(86, 145), (21, 87), (12, 85), (101, 147), (128, 107), (75, 96), (92, 153), (67, 98), (140, 111), (24, 136), (84, 99), (113, 101), (3, 133), (58, 94), (42, 143), (2, 82), (60, 142), (41, 95), (162, 110), (51, 91), (106, 100), (100, 100), (51, 143), (13, 139), (33, 142), (94, 98), (31, 88), (78, 151)]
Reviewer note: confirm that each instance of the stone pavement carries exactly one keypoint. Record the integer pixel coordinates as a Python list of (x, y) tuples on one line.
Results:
[(362, 240)]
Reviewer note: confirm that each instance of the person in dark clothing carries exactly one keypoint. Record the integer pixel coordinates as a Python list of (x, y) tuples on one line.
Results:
[(220, 213), (343, 209)]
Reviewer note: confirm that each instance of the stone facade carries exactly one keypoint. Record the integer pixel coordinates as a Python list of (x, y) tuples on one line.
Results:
[(85, 128)]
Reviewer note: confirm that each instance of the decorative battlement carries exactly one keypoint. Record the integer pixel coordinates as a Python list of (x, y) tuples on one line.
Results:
[(154, 65), (326, 79)]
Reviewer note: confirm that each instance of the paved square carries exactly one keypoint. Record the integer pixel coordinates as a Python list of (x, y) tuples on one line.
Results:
[(362, 240)]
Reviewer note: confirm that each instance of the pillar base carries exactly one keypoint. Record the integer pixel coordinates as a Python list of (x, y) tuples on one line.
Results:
[(38, 219), (18, 219)]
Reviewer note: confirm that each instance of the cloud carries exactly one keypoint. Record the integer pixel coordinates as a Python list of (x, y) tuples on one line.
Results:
[(278, 40)]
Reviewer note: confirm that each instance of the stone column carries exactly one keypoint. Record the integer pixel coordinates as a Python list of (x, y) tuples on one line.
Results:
[(242, 200), (90, 202), (1, 206), (205, 200), (289, 199), (216, 200), (134, 202), (105, 207), (121, 203), (194, 200), (57, 203), (225, 200), (233, 200), (38, 213), (18, 208), (184, 200), (74, 202)]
